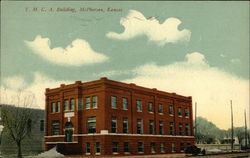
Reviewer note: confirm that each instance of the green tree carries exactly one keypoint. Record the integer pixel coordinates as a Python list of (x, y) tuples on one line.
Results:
[(207, 132)]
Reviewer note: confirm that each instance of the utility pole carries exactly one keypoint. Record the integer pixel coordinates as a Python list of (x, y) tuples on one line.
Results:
[(232, 128), (245, 130), (195, 123)]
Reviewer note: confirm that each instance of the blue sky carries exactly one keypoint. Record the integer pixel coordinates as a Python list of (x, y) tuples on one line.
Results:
[(198, 49)]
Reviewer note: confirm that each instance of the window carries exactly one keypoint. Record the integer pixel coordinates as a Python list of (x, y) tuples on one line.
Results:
[(53, 107), (162, 147), (171, 110), (171, 128), (115, 147), (139, 105), (55, 127), (152, 147), (29, 125), (150, 107), (140, 147), (187, 113), (160, 110), (187, 129), (41, 125), (66, 104), (139, 126), (179, 112), (180, 129), (124, 103), (173, 147), (151, 126), (114, 125), (94, 102), (126, 147), (87, 147), (125, 125), (87, 102), (97, 147), (182, 147), (113, 102), (58, 107), (72, 104), (91, 125), (161, 128)]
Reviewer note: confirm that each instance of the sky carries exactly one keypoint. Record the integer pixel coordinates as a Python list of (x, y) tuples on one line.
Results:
[(198, 49)]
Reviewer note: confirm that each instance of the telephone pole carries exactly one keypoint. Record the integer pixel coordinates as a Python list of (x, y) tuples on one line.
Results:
[(195, 122), (232, 128), (245, 130)]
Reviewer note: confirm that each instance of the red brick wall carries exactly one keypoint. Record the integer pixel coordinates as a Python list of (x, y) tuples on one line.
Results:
[(104, 89)]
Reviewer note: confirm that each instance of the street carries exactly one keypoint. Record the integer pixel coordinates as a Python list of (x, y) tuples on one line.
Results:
[(229, 155)]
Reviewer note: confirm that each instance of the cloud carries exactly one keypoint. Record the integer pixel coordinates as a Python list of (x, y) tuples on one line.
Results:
[(236, 60), (209, 86), (78, 53), (36, 88), (112, 73), (223, 55), (15, 82), (136, 24)]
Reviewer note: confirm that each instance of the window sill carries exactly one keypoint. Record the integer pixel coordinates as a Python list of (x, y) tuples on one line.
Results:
[(160, 113), (186, 116), (115, 153), (179, 116), (126, 152), (141, 152), (69, 110), (139, 111), (151, 112), (171, 115), (87, 154), (97, 153), (125, 109)]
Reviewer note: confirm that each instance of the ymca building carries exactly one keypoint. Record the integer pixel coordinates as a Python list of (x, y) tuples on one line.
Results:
[(106, 117)]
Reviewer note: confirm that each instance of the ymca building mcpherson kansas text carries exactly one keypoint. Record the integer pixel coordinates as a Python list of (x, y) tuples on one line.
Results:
[(106, 117)]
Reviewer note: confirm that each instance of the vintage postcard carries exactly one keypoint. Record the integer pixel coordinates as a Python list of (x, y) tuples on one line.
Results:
[(117, 78)]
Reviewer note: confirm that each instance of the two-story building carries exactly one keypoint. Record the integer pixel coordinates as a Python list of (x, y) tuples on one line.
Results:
[(106, 117)]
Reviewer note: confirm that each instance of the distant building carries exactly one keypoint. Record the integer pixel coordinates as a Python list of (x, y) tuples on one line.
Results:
[(106, 117), (32, 144)]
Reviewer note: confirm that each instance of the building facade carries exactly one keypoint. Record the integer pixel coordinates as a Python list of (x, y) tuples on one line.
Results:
[(106, 117)]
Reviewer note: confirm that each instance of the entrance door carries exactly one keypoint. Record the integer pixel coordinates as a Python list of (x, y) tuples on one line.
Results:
[(68, 132)]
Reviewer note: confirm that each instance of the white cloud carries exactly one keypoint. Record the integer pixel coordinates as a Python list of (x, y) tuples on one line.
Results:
[(223, 55), (78, 53), (210, 87), (15, 82), (112, 73), (37, 88), (136, 24), (235, 60)]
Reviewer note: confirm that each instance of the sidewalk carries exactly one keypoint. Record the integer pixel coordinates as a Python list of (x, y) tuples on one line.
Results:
[(228, 155), (134, 156)]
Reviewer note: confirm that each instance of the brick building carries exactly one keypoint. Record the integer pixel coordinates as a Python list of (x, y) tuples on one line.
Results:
[(106, 117)]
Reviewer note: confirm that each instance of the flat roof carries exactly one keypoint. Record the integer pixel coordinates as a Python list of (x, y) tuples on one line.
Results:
[(116, 83)]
